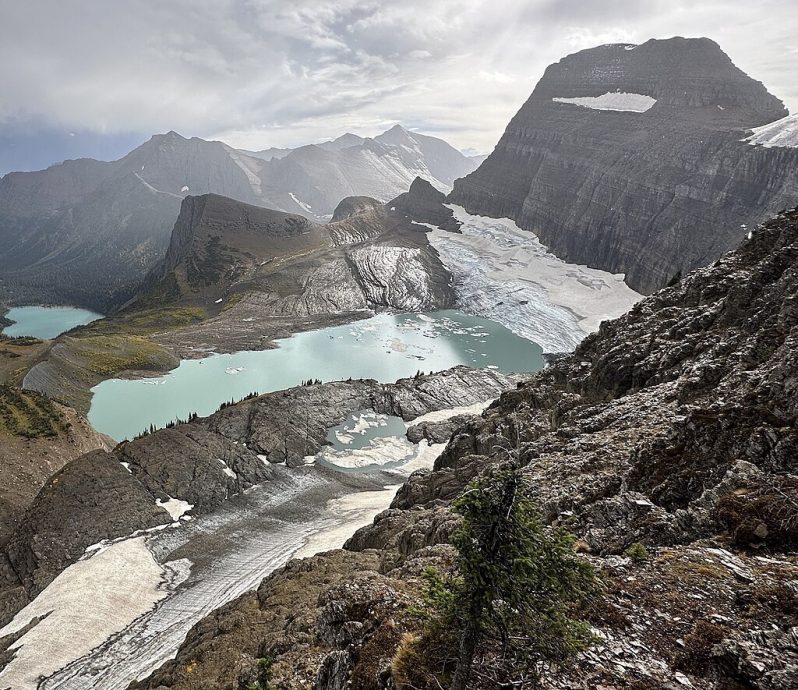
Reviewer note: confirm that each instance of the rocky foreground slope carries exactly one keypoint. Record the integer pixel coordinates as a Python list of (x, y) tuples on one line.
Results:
[(632, 159), (667, 443), (37, 438)]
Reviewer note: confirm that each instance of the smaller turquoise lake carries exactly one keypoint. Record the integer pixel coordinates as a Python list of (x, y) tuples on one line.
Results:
[(385, 347), (46, 322)]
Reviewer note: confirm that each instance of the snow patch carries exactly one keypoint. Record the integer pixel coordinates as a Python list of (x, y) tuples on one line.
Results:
[(443, 415), (227, 470), (613, 100), (781, 133), (85, 605), (175, 507)]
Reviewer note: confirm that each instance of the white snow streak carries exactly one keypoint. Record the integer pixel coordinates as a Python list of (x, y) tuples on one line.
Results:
[(614, 100)]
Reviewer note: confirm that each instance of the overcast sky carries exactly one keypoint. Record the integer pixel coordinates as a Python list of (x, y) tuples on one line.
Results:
[(95, 77)]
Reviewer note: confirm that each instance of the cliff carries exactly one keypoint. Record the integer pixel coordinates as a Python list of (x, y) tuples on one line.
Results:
[(631, 159)]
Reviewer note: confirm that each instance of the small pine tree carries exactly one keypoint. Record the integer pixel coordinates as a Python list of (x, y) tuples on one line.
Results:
[(264, 678), (515, 586)]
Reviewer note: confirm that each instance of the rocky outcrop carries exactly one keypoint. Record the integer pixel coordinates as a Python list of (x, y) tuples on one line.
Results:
[(370, 258), (425, 204), (631, 159), (666, 443), (107, 495), (28, 461)]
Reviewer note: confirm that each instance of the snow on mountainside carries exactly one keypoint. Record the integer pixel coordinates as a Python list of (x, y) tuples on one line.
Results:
[(781, 133), (618, 100)]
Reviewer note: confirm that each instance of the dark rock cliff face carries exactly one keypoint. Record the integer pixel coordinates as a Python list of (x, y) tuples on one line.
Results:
[(650, 193), (423, 203), (217, 240), (674, 426)]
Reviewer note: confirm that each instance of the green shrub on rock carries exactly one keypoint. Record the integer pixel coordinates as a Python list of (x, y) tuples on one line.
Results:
[(509, 604)]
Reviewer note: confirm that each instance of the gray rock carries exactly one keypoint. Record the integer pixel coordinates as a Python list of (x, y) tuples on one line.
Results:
[(650, 194)]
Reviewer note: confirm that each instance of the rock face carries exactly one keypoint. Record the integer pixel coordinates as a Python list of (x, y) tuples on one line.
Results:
[(370, 258), (425, 204), (87, 231), (673, 427), (106, 495), (631, 159)]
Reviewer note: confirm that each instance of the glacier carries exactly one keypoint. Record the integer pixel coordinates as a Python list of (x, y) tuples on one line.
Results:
[(505, 274)]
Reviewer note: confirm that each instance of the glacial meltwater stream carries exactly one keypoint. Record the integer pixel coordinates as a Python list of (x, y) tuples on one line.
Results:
[(384, 347)]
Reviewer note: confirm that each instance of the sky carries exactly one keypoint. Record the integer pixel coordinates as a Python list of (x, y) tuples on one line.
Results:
[(97, 77)]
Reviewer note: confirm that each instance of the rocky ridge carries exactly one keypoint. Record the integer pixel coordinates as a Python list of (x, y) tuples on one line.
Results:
[(106, 495), (667, 443), (631, 159)]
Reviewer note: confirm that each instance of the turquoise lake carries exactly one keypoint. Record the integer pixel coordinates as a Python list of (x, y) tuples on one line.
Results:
[(46, 322), (385, 347)]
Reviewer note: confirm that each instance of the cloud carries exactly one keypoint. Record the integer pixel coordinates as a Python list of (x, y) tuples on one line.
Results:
[(273, 72)]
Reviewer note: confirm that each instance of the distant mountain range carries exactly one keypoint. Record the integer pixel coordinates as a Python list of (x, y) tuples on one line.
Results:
[(87, 231), (642, 159)]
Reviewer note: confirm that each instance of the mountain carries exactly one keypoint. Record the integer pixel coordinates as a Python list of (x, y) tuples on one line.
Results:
[(87, 232), (312, 179), (631, 159), (666, 443), (370, 257)]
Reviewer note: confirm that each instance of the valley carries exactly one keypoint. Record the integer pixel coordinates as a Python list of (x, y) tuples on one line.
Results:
[(239, 444)]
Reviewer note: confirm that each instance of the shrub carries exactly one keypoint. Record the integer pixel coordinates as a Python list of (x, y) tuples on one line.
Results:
[(637, 552), (698, 646), (766, 512), (264, 675), (509, 604)]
